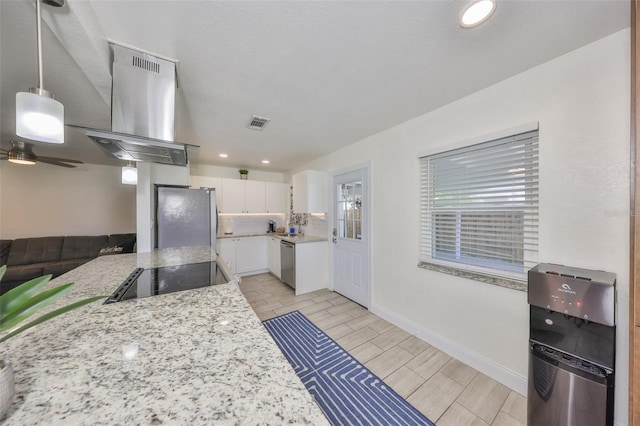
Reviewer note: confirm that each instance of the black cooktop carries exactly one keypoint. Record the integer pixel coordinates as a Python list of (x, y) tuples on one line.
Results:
[(168, 279)]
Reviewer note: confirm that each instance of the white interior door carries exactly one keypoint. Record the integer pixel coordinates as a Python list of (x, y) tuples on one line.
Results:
[(351, 235)]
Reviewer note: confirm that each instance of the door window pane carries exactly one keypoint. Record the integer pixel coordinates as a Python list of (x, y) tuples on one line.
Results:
[(349, 204)]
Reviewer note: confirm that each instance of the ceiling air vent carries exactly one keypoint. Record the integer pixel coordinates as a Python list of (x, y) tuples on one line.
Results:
[(259, 123)]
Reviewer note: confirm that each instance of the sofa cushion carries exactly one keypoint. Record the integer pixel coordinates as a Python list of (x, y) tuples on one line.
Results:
[(119, 243), (82, 247), (23, 273), (25, 251), (5, 245)]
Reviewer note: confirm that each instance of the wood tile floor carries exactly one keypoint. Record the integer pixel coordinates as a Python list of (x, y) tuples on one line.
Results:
[(447, 391)]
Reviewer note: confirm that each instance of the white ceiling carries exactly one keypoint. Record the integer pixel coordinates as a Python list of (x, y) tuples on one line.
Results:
[(327, 73)]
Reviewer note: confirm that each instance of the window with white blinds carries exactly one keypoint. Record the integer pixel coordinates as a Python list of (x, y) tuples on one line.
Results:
[(479, 207)]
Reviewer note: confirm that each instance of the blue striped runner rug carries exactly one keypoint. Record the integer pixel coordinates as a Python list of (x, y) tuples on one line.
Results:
[(346, 391)]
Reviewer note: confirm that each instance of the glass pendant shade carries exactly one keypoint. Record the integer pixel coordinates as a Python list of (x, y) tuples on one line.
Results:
[(129, 175), (39, 117)]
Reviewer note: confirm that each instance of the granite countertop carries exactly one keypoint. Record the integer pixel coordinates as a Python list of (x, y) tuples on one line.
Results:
[(299, 239), (296, 239), (193, 357)]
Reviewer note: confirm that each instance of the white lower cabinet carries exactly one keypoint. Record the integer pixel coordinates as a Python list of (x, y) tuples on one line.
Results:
[(251, 255), (273, 255), (311, 267), (255, 255), (245, 255), (226, 249)]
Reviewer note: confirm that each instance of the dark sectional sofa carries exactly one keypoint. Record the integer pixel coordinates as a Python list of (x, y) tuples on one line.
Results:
[(28, 258)]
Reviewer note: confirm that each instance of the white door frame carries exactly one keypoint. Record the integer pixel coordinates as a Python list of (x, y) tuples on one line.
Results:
[(367, 226)]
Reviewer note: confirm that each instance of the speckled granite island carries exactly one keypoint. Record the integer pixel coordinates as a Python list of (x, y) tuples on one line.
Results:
[(193, 357)]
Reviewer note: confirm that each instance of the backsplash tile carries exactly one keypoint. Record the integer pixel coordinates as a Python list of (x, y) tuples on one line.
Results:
[(317, 226), (243, 224)]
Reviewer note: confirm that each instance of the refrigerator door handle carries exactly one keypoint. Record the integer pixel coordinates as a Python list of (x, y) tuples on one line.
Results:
[(214, 210)]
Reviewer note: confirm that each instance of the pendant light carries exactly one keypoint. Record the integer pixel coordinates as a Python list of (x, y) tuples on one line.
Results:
[(38, 115), (21, 153), (129, 174)]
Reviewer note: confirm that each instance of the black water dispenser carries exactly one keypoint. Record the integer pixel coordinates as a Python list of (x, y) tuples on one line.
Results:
[(572, 340)]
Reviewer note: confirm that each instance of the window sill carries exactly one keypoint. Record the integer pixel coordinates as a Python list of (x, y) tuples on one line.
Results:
[(500, 282)]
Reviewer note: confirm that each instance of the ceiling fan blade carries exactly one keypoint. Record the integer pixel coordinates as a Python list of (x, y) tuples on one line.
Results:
[(66, 160), (55, 163)]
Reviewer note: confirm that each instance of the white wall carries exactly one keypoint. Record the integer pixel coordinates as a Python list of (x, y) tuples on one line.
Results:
[(232, 172), (581, 101), (45, 200)]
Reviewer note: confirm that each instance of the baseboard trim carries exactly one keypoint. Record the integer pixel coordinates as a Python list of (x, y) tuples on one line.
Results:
[(486, 366), (249, 273)]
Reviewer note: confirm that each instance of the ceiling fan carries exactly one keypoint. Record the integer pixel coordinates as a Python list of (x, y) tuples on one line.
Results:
[(22, 153)]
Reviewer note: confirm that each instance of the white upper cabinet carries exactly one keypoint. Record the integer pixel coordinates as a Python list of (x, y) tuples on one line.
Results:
[(243, 196), (277, 197), (254, 196), (209, 182), (310, 192), (232, 196)]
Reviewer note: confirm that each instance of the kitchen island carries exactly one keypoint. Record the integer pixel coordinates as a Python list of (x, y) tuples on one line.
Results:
[(192, 357)]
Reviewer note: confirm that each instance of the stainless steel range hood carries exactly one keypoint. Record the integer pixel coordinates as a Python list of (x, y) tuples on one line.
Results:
[(137, 148), (143, 98)]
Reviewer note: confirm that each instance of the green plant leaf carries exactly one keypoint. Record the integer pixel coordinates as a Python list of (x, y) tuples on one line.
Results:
[(50, 315), (32, 306), (3, 269), (19, 295)]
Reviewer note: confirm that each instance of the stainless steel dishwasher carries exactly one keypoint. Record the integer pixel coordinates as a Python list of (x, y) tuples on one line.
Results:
[(288, 263)]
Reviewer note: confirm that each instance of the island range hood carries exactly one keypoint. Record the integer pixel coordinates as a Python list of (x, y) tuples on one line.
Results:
[(143, 99)]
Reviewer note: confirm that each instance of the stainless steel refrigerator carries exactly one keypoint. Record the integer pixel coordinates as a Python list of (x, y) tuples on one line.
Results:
[(185, 217)]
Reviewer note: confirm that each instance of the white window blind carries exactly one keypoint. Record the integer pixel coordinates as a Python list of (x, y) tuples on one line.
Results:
[(479, 207)]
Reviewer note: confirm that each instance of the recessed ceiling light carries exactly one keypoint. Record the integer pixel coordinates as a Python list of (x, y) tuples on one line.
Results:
[(477, 12), (265, 161), (223, 155)]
